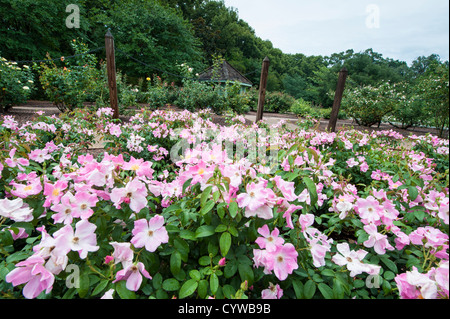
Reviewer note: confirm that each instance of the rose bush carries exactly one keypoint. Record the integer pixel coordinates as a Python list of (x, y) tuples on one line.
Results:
[(16, 84), (179, 207), (71, 85), (368, 105)]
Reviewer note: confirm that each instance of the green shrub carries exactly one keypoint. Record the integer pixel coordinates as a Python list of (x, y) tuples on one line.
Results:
[(408, 113), (236, 100), (127, 95), (368, 105), (303, 108), (16, 84), (198, 96), (157, 94), (433, 87), (69, 86), (278, 102)]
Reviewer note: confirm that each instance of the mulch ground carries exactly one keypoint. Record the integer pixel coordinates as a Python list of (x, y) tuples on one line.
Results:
[(26, 112)]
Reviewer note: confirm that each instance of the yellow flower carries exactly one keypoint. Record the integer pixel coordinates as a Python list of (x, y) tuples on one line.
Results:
[(148, 79)]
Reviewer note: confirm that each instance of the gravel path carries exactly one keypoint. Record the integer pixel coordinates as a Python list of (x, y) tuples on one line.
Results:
[(25, 112)]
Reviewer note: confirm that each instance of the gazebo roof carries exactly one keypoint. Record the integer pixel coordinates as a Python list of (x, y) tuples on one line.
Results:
[(225, 73)]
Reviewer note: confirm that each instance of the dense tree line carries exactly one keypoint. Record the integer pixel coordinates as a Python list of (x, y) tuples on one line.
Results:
[(167, 33)]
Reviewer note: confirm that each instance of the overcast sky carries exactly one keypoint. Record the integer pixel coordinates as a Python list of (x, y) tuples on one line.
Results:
[(398, 29)]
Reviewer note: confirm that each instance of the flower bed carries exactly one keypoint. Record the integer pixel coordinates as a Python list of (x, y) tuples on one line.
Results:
[(179, 207)]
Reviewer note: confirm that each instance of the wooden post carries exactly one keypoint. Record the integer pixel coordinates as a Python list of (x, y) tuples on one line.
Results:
[(262, 89), (111, 68), (337, 99)]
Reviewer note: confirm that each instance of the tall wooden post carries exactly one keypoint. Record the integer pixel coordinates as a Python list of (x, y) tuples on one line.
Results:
[(337, 99), (262, 89), (111, 68)]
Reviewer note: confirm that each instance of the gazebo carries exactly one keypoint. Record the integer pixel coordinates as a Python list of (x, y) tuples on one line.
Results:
[(223, 74)]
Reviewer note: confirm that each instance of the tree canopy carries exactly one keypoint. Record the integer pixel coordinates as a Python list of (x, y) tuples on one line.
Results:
[(166, 33)]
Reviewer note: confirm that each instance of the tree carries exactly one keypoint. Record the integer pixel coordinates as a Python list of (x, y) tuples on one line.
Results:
[(433, 86), (151, 33), (423, 64), (31, 28)]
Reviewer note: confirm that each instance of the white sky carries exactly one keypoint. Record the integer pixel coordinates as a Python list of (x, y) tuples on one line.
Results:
[(406, 29)]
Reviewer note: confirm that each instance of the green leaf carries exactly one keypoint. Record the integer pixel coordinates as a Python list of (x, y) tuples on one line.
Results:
[(171, 284), (205, 231), (208, 207), (328, 273), (387, 288), (233, 231), (172, 208), (157, 281), (228, 291), (175, 262), (388, 275), (246, 273), (413, 193), (216, 196), (204, 261), (195, 274), (326, 291), (213, 248), (205, 196), (187, 234), (181, 246), (221, 228), (214, 283), (338, 289), (29, 228), (123, 291), (100, 287), (186, 185), (230, 269), (84, 285), (225, 243), (6, 238), (188, 288), (309, 289), (359, 283), (221, 211), (18, 256), (202, 288), (390, 264), (233, 208), (298, 288), (312, 190), (420, 215)]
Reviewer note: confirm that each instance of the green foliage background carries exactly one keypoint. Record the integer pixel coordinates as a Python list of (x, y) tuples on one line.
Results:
[(166, 33)]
